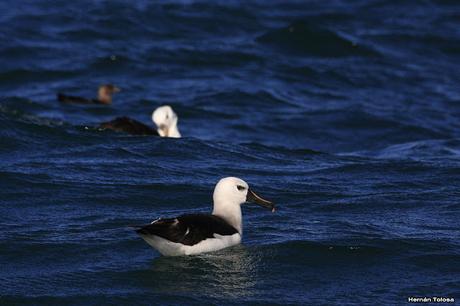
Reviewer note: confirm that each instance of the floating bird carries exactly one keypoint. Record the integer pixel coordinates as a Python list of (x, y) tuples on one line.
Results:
[(199, 233), (104, 96), (164, 118)]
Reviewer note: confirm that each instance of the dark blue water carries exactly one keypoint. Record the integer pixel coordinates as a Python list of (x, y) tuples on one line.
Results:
[(345, 113)]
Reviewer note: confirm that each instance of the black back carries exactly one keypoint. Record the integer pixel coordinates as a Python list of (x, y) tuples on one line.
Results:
[(74, 99), (128, 125), (188, 229)]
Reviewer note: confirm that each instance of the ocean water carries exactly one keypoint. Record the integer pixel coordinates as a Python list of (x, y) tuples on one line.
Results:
[(345, 113)]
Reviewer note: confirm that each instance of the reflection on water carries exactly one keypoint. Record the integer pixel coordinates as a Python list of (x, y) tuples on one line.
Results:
[(230, 273)]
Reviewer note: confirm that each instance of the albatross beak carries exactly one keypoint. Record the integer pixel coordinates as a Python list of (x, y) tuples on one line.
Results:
[(254, 198)]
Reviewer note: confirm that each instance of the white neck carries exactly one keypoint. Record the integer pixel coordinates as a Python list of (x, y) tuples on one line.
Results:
[(173, 131), (230, 213)]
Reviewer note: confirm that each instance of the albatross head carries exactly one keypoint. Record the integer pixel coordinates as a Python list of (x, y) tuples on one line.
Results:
[(166, 121), (105, 92), (229, 194)]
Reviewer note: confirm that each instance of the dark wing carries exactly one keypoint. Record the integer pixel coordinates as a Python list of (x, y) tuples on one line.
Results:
[(73, 99), (128, 125), (188, 229)]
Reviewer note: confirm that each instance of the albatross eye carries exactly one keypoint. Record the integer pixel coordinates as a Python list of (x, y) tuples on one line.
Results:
[(240, 188)]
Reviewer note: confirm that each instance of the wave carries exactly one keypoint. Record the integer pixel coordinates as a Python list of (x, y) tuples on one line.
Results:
[(305, 38), (361, 247), (239, 99), (35, 75), (422, 150), (447, 45), (203, 57)]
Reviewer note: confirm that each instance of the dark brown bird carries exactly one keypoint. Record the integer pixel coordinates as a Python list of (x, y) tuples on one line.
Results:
[(104, 96)]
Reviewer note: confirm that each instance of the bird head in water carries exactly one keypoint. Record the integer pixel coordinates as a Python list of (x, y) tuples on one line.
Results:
[(105, 93), (166, 121)]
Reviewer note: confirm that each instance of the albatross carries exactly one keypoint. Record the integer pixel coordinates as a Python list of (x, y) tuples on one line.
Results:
[(199, 233), (164, 118)]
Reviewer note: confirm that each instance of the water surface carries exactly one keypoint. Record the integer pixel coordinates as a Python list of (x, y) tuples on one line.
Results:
[(346, 114)]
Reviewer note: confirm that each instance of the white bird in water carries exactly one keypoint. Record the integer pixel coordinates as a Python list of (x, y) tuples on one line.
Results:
[(164, 118), (166, 121), (199, 233)]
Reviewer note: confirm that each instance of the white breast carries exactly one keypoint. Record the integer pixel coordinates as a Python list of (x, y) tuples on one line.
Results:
[(168, 248)]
